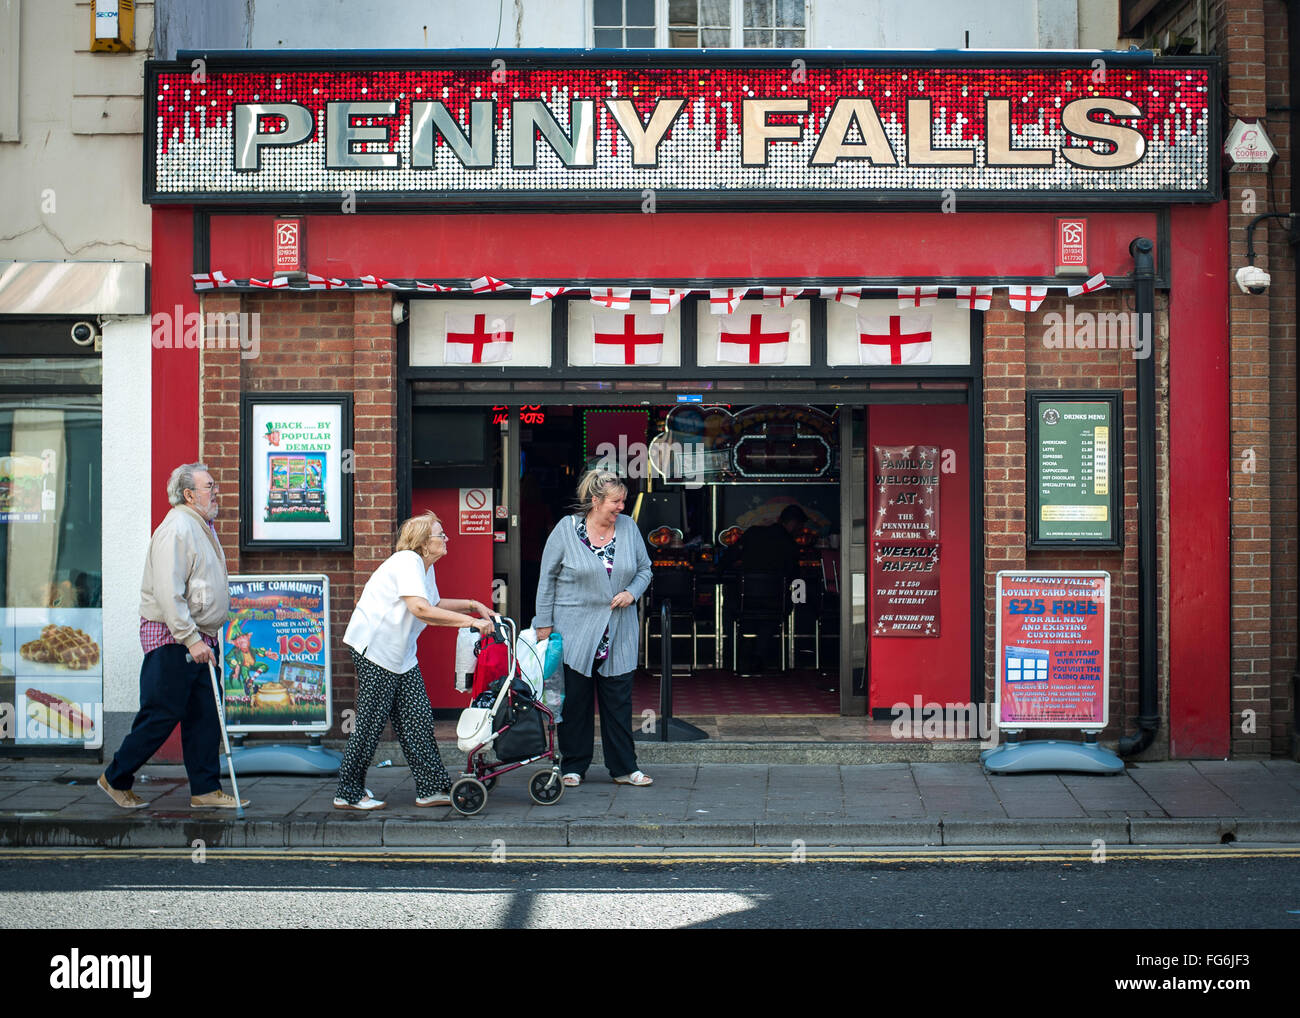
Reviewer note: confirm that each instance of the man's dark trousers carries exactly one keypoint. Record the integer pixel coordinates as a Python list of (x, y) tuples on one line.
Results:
[(172, 691)]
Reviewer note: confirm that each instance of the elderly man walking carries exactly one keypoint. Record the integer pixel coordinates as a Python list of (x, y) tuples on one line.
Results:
[(184, 600)]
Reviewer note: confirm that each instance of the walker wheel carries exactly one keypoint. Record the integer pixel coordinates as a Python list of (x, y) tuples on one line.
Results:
[(468, 796), (545, 787)]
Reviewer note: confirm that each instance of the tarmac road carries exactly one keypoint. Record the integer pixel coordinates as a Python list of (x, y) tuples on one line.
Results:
[(1205, 888)]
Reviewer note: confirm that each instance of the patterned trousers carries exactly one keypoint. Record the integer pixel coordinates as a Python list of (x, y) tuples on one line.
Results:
[(381, 695)]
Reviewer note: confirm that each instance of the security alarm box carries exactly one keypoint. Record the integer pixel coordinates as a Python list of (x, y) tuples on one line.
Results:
[(113, 28)]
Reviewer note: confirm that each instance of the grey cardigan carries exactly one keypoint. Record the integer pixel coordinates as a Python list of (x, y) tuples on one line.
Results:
[(574, 592)]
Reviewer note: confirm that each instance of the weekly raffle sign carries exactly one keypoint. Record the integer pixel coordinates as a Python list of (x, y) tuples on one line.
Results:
[(1053, 635)]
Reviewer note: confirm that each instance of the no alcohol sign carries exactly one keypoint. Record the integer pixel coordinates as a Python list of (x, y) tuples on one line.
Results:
[(475, 511)]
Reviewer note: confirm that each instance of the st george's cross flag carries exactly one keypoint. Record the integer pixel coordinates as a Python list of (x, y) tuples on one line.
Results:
[(613, 298), (433, 287), (663, 300), (488, 284), (315, 282), (845, 295), (208, 280), (895, 339), (626, 338), (541, 293), (1097, 282), (479, 338), (725, 301), (917, 296), (274, 283), (754, 339), (1026, 298), (781, 295), (373, 282), (974, 298)]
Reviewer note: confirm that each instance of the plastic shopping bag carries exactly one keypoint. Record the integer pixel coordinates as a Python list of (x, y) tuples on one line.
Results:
[(530, 657), (466, 648), (553, 683)]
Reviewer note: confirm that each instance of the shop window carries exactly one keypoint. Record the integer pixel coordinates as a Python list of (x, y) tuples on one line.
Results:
[(623, 24), (51, 627), (753, 24)]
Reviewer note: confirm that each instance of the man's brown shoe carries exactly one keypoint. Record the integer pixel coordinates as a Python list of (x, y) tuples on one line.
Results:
[(127, 799), (215, 800)]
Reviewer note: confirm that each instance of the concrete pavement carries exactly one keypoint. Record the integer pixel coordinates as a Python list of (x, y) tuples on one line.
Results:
[(50, 804)]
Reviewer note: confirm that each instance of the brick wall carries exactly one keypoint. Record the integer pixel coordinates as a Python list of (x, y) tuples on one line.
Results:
[(1016, 360), (312, 343)]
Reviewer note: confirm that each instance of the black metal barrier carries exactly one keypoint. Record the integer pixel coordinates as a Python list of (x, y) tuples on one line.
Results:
[(668, 728)]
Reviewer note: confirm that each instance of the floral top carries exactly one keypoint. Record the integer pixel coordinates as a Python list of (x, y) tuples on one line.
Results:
[(606, 555)]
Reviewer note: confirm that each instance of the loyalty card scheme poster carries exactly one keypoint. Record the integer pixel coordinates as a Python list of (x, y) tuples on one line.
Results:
[(1053, 635), (295, 462), (275, 654)]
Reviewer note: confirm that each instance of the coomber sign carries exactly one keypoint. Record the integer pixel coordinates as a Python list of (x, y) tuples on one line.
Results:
[(541, 130)]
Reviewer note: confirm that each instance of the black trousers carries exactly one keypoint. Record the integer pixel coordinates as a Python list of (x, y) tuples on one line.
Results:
[(172, 691), (577, 731)]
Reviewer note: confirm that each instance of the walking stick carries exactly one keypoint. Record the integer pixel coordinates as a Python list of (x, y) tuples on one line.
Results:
[(225, 740)]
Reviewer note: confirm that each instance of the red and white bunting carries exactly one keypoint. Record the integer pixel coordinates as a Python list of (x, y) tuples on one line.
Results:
[(613, 298), (373, 282), (975, 298), (208, 280), (780, 295), (626, 339), (488, 284), (917, 296), (725, 302), (476, 339), (433, 287), (274, 283), (664, 300), (541, 293), (895, 339), (315, 282), (1097, 282), (755, 339), (1026, 298), (851, 297)]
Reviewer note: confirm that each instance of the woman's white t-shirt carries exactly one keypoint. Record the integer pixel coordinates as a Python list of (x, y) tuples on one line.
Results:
[(382, 627)]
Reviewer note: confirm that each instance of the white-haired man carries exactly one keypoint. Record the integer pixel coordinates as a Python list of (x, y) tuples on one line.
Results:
[(184, 600)]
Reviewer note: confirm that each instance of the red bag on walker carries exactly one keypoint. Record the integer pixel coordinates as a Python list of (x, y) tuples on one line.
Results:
[(492, 664)]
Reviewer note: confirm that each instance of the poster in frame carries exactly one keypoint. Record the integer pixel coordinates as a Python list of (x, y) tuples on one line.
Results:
[(295, 465)]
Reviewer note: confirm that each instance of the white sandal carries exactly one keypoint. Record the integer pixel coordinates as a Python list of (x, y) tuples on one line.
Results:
[(635, 778), (571, 780)]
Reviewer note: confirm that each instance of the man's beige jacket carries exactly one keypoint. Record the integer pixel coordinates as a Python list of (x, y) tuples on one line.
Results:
[(184, 582)]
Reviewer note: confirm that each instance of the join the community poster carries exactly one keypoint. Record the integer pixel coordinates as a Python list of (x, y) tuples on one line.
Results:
[(275, 653)]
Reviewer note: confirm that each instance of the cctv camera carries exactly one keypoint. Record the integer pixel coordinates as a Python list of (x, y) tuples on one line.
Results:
[(84, 333), (1253, 279), (399, 312)]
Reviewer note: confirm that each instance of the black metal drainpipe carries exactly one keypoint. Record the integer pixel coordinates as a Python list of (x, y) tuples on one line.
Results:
[(1148, 719), (1292, 45)]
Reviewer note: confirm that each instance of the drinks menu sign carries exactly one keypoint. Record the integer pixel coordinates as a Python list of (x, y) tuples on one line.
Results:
[(1075, 481)]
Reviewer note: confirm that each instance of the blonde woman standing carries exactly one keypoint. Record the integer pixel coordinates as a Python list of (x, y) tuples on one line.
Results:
[(594, 570), (399, 600)]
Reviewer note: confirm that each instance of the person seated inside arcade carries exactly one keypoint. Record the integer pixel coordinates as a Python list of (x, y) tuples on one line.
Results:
[(767, 550)]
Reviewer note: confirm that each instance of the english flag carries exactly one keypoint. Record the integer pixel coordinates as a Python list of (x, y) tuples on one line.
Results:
[(725, 302), (754, 339), (613, 298), (478, 338), (315, 282), (780, 295), (1097, 282), (274, 283), (664, 300), (541, 293), (850, 297), (975, 298), (1026, 298), (207, 280), (488, 284), (895, 339), (434, 287), (373, 282), (626, 339), (917, 296)]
